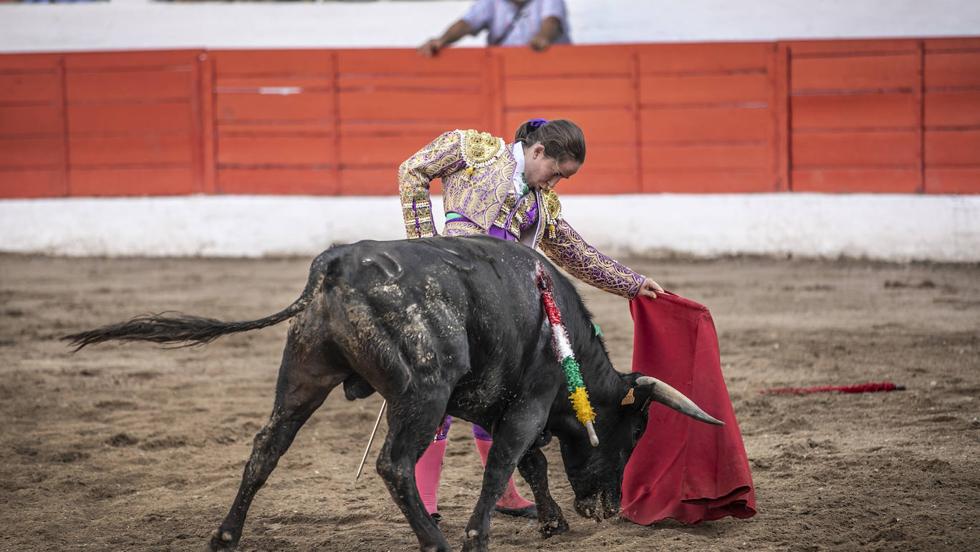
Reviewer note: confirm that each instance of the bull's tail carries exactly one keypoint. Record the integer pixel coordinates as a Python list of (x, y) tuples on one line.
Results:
[(185, 330)]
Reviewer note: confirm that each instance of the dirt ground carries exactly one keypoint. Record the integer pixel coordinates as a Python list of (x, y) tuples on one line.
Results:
[(134, 447)]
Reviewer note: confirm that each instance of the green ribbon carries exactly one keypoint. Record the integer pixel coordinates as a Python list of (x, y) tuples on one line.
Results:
[(573, 374)]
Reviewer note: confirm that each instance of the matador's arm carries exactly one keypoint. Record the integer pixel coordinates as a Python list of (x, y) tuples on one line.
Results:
[(441, 157), (563, 245)]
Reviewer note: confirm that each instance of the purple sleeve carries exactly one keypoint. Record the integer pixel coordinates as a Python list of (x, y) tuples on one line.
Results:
[(441, 157), (480, 15), (569, 251)]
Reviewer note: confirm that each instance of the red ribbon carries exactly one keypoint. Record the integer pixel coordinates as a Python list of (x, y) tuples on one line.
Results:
[(870, 387)]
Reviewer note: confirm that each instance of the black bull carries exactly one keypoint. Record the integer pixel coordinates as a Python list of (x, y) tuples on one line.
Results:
[(436, 326)]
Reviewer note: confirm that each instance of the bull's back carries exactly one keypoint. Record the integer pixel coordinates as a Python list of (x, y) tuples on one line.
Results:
[(443, 308)]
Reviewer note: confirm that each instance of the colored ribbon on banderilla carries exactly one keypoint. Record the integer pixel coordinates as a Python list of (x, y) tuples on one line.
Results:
[(563, 350)]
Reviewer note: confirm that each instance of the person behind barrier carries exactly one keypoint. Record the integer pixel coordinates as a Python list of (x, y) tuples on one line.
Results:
[(506, 190), (534, 23)]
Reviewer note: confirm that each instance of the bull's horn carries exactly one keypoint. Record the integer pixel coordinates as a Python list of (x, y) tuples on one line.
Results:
[(667, 395)]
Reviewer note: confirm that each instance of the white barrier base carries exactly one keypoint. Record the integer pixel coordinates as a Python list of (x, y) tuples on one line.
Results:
[(885, 227)]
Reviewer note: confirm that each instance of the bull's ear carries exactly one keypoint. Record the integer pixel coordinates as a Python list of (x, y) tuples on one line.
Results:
[(630, 397), (634, 397)]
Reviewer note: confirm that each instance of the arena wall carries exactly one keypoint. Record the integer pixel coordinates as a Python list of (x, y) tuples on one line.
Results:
[(706, 148), (886, 115)]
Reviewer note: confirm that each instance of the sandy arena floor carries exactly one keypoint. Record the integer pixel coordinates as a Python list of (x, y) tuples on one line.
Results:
[(138, 448)]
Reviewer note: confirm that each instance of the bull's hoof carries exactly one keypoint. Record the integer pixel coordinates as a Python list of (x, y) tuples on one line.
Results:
[(553, 527), (475, 541), (222, 539)]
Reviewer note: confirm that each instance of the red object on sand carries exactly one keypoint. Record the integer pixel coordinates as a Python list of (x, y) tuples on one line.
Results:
[(870, 387), (684, 469)]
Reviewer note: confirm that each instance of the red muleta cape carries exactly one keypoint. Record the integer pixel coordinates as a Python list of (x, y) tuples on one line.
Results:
[(683, 469)]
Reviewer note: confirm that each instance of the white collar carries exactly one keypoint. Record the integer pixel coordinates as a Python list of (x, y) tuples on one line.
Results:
[(518, 150)]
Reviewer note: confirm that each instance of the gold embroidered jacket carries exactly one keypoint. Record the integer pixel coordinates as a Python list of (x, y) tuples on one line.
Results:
[(477, 172)]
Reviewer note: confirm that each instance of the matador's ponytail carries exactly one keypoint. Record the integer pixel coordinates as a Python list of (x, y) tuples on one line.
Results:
[(562, 139)]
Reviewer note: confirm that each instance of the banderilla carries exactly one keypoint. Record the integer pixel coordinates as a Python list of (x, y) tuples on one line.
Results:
[(367, 449)]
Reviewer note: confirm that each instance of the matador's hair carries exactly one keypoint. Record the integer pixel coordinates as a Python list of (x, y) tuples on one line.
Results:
[(561, 138)]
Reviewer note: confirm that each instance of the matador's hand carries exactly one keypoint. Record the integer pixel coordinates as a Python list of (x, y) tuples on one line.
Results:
[(431, 47), (649, 288)]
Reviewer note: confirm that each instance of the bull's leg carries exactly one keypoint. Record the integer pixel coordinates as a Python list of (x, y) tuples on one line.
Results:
[(513, 436), (304, 383), (410, 429), (534, 469)]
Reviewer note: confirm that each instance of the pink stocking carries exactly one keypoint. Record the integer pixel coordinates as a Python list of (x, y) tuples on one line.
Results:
[(511, 500), (427, 473)]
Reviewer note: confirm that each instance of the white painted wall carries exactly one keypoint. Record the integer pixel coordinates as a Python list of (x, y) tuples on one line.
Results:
[(887, 227), (143, 24)]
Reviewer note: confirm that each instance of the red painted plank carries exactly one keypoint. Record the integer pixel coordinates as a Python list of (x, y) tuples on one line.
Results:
[(952, 147), (32, 152), (30, 87), (718, 57), (272, 62), (566, 61), (39, 119), (568, 92), (131, 118), (132, 182), (853, 112), (388, 151), (472, 84), (593, 179), (706, 124), (851, 149), (779, 73), (275, 150), (600, 126), (272, 83), (849, 48), (424, 130), (129, 150), (207, 124), (608, 157), (453, 61), (886, 71), (79, 62), (955, 43), (277, 181), (262, 128), (856, 180), (394, 105), (708, 181), (33, 183), (129, 85), (38, 63), (310, 107), (371, 182), (952, 108), (953, 180), (944, 69), (737, 156), (736, 88)]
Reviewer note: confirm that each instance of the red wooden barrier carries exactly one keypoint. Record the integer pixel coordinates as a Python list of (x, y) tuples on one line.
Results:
[(900, 116), (33, 154), (133, 123), (952, 115)]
